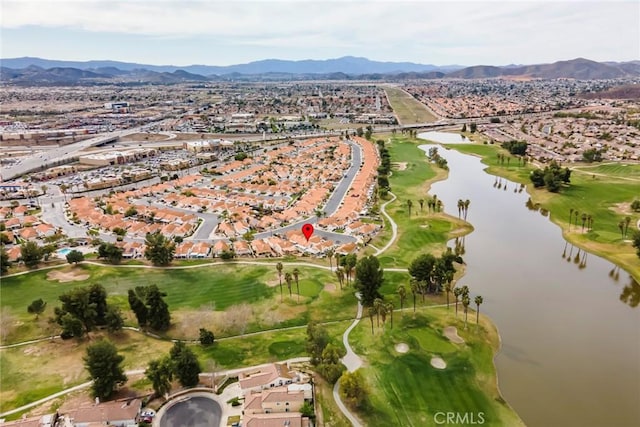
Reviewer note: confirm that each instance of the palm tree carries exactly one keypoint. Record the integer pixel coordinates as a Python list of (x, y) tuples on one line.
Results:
[(627, 221), (414, 290), (402, 293), (296, 276), (382, 309), (340, 276), (584, 219), (279, 268), (390, 310), (577, 215), (330, 253), (421, 201), (466, 208), (409, 206), (378, 304), (478, 301), (621, 227), (465, 304), (288, 278), (457, 292), (570, 217), (447, 289), (372, 312)]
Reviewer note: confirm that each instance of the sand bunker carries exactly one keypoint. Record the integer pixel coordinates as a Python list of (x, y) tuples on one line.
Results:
[(402, 348), (400, 166), (438, 363), (66, 276), (452, 333)]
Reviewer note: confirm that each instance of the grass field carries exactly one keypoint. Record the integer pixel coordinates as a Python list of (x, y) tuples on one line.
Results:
[(404, 389), (406, 108), (602, 191), (421, 231), (196, 297)]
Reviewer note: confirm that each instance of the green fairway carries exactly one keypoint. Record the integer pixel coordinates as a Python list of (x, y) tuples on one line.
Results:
[(602, 191), (422, 231), (193, 290), (406, 390)]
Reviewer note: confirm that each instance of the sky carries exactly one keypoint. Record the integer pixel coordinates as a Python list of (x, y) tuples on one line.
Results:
[(213, 32)]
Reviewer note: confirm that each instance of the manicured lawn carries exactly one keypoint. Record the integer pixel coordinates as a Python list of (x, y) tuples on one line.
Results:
[(406, 390), (605, 198), (188, 290), (422, 231), (407, 108)]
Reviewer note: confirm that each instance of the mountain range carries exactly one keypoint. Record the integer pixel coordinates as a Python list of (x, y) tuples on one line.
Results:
[(38, 71)]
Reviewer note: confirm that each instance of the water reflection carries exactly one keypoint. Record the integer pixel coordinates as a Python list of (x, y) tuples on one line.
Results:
[(631, 293)]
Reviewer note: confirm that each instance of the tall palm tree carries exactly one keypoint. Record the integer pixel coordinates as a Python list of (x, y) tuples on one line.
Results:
[(279, 267), (382, 309), (460, 207), (584, 219), (570, 217), (414, 290), (377, 304), (478, 301), (421, 201), (288, 278), (466, 208), (340, 276), (621, 227), (372, 312), (389, 308), (457, 292), (330, 253), (402, 293), (296, 276), (447, 289), (465, 304), (409, 206), (627, 221)]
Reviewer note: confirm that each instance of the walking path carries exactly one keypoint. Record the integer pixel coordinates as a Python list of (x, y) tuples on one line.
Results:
[(394, 227)]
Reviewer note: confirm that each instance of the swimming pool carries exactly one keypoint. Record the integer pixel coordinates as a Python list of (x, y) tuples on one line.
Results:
[(64, 251)]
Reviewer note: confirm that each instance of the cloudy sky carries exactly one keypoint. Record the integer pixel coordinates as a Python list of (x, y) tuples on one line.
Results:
[(214, 32)]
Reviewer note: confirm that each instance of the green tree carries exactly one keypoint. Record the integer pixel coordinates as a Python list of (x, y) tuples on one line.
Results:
[(71, 327), (160, 373), (206, 337), (369, 279), (456, 293), (159, 316), (77, 303), (74, 257), (307, 410), (103, 363), (372, 312), (340, 275), (113, 319), (4, 260), (317, 340), (31, 254), (131, 211), (98, 297), (185, 363), (330, 367), (409, 206), (159, 250), (465, 303), (37, 307), (352, 389), (330, 253), (139, 308), (636, 242), (110, 252), (421, 268)]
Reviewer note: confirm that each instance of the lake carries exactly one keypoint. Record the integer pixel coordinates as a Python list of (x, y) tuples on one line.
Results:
[(570, 332)]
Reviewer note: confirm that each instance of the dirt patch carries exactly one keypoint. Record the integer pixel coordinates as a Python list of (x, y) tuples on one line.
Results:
[(330, 287), (66, 276), (438, 363), (452, 333), (622, 208), (400, 166), (402, 347)]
